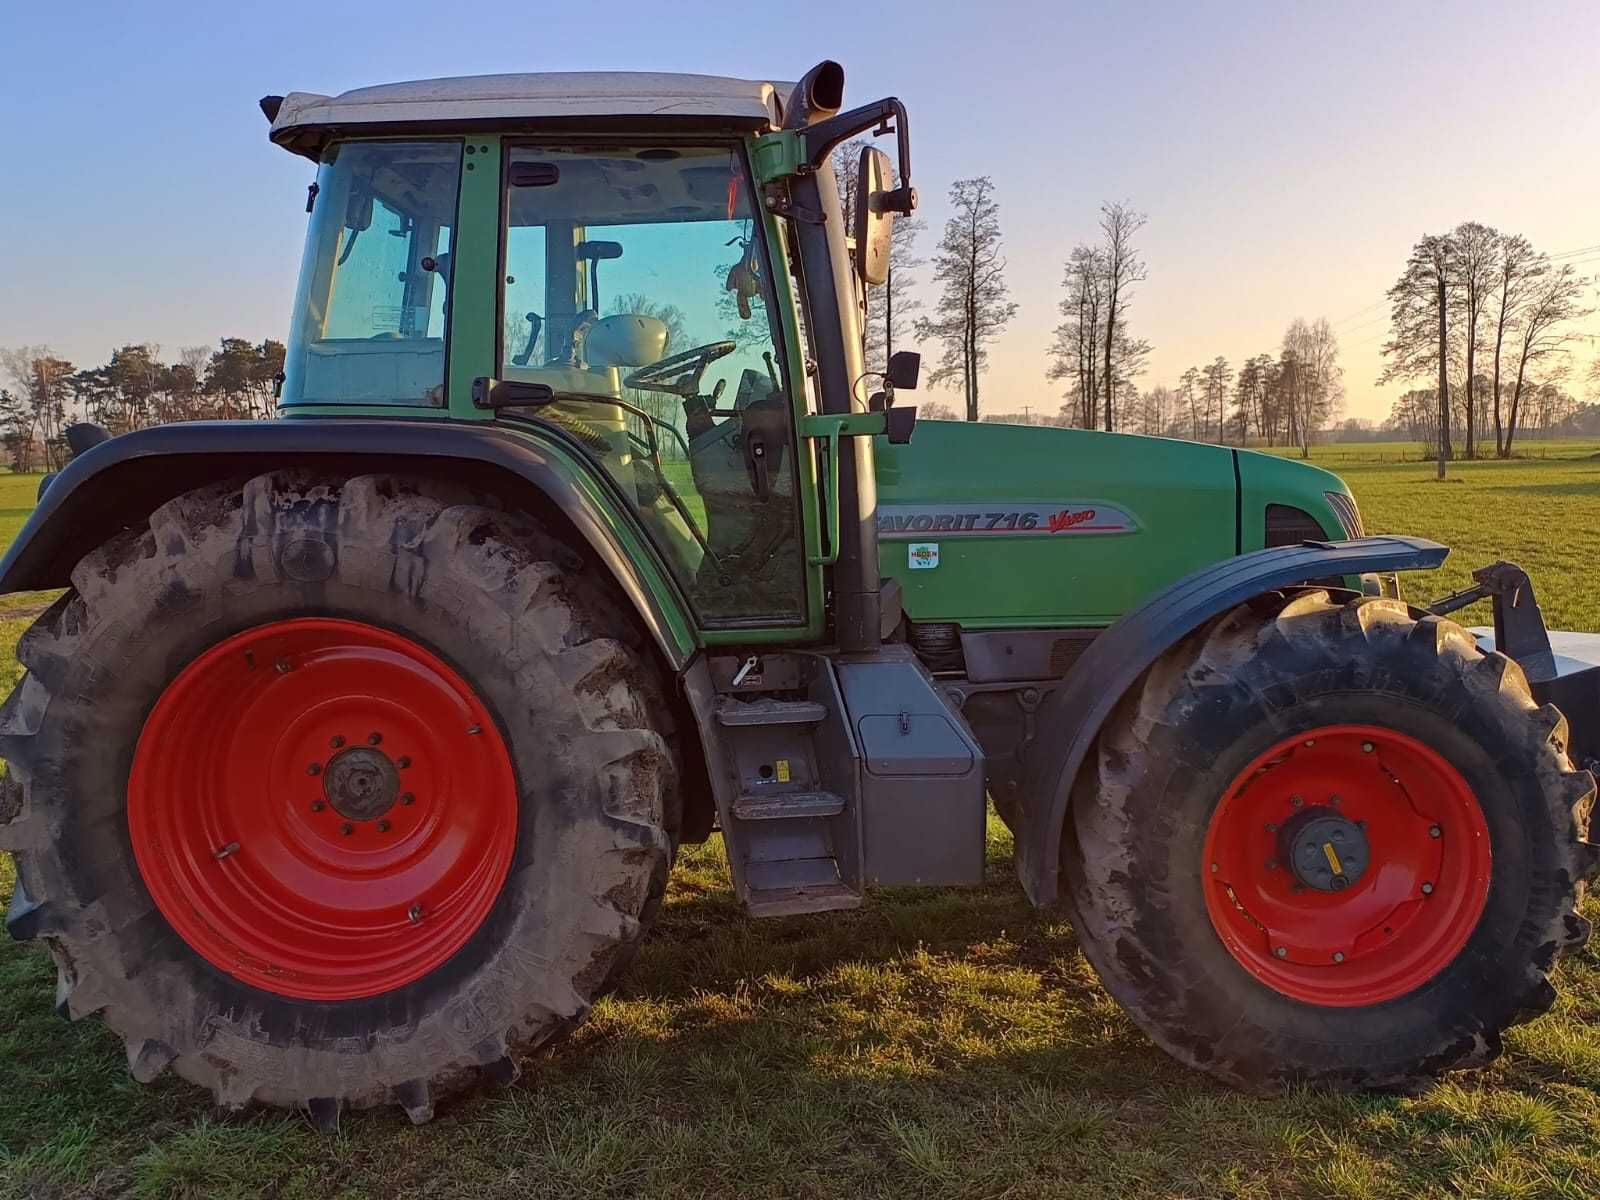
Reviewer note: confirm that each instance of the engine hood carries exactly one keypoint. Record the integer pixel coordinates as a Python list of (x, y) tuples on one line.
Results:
[(1005, 526)]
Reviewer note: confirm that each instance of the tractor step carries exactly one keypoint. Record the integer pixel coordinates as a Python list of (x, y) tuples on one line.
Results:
[(787, 902), (769, 712), (782, 806)]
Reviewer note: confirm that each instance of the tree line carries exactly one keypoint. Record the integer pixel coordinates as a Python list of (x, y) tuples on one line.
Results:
[(1281, 396), (45, 393), (1477, 298), (1485, 315)]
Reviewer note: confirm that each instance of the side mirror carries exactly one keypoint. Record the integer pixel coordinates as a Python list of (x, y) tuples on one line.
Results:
[(905, 368), (874, 223)]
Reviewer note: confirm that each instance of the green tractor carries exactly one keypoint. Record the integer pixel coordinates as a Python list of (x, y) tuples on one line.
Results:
[(351, 763)]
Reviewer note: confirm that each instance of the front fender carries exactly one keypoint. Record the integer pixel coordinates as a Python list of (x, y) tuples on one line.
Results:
[(1071, 717), (117, 484)]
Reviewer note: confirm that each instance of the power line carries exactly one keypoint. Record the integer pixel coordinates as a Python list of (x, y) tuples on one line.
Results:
[(1360, 311)]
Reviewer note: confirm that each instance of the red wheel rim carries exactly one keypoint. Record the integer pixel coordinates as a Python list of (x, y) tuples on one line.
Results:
[(1374, 808), (322, 808)]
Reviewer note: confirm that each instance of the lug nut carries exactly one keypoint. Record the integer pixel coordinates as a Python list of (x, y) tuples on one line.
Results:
[(1271, 828), (408, 798), (1335, 801), (283, 666), (1434, 831), (318, 805), (1311, 741), (414, 913), (402, 762), (347, 829), (374, 738), (1272, 864), (1338, 956), (1366, 747), (1427, 889), (1282, 952), (336, 740), (1296, 801), (1214, 868), (383, 827), (314, 769), (474, 728)]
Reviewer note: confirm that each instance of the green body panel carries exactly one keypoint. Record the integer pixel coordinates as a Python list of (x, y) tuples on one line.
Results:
[(1160, 509), (1267, 479), (475, 283)]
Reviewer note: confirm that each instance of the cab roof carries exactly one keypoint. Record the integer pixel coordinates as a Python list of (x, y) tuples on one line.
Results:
[(304, 122)]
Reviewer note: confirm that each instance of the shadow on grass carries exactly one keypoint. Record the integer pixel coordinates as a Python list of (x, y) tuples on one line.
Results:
[(937, 1044)]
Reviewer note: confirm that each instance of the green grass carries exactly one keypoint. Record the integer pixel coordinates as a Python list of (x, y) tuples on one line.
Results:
[(1541, 512), (934, 1044)]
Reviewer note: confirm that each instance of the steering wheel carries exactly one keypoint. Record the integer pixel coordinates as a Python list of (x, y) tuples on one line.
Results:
[(679, 374)]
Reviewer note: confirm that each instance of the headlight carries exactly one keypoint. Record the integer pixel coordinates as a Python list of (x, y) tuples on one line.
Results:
[(1344, 507)]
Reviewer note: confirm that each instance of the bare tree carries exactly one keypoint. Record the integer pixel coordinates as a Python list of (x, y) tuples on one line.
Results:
[(1517, 271), (1477, 268), (1159, 405), (1123, 269), (1217, 377), (1553, 303), (1419, 326), (44, 380), (1075, 352), (1314, 386), (974, 305), (1189, 391)]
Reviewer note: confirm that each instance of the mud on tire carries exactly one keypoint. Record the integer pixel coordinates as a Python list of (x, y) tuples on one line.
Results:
[(547, 645), (1204, 713)]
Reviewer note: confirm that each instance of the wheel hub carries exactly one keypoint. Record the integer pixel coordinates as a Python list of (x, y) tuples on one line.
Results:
[(1346, 865), (361, 783), (1324, 849)]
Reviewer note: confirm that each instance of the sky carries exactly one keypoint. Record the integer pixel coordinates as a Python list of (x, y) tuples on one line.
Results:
[(1287, 154)]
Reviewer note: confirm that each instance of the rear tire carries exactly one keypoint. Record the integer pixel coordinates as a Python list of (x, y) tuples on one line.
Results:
[(546, 647), (1179, 934)]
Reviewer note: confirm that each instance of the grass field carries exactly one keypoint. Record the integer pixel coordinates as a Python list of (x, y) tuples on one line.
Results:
[(945, 1044)]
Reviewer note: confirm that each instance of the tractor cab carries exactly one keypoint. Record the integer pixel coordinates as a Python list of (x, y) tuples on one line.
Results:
[(605, 256)]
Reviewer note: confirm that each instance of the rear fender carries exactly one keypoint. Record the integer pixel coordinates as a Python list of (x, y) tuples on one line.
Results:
[(119, 483), (1072, 715)]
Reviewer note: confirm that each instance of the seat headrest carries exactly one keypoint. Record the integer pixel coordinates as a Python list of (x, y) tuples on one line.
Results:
[(625, 340)]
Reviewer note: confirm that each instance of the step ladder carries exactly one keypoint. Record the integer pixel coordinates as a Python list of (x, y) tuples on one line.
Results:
[(787, 810)]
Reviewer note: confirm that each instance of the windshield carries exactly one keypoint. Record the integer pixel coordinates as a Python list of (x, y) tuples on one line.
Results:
[(373, 299), (635, 287)]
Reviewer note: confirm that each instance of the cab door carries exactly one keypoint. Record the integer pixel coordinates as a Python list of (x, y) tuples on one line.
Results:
[(636, 283)]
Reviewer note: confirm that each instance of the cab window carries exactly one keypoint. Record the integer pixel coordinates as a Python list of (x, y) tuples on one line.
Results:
[(374, 287), (635, 287)]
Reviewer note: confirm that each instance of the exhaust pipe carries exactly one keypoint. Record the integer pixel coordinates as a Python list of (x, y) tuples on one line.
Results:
[(819, 94)]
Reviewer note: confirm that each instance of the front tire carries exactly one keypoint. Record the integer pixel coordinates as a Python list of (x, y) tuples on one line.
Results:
[(1330, 843), (331, 792)]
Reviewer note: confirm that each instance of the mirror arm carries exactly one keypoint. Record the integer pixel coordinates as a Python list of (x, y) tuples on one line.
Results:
[(822, 137)]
